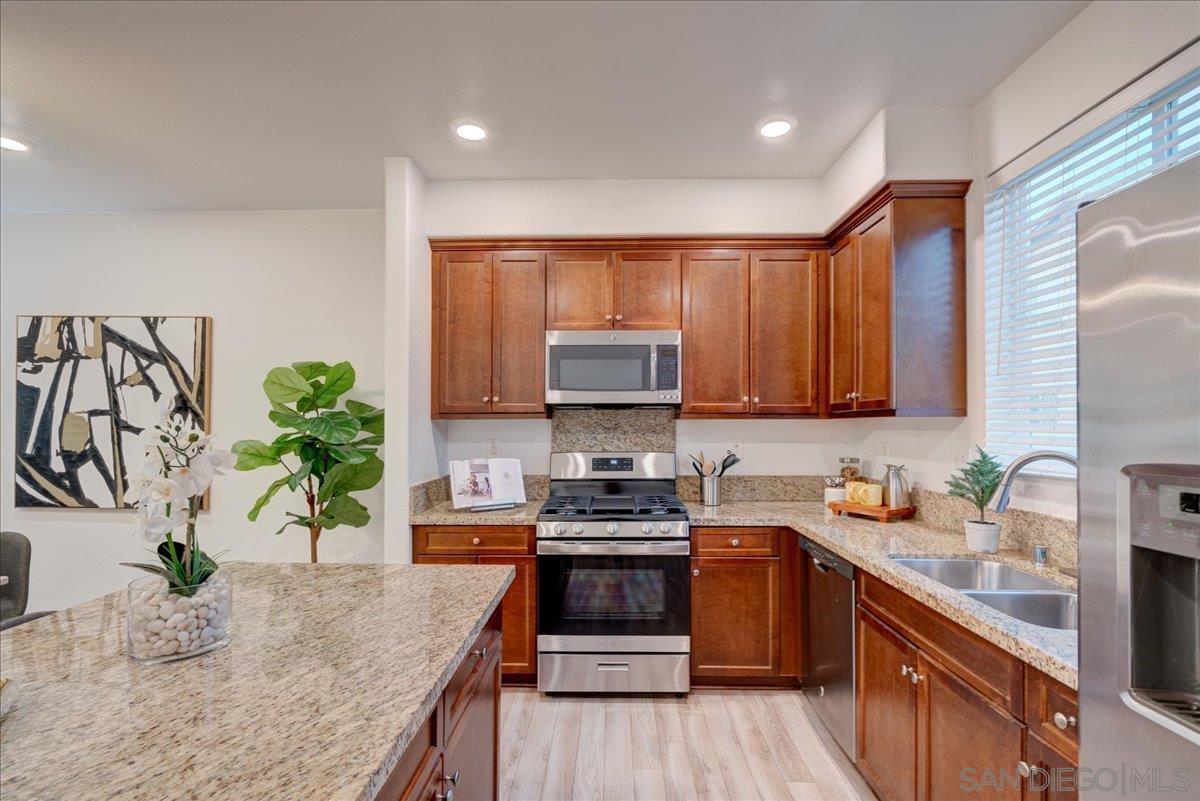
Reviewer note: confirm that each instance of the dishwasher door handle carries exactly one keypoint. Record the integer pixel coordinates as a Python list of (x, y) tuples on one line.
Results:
[(819, 565)]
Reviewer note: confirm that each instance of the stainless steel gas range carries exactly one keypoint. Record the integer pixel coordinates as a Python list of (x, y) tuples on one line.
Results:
[(614, 579)]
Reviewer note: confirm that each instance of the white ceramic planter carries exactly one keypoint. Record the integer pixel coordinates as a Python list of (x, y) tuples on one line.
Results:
[(982, 537)]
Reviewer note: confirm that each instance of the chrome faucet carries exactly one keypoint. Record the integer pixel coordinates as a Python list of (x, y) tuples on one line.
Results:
[(999, 501)]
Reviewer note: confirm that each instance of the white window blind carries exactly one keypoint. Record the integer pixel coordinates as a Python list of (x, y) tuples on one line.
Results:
[(1029, 264)]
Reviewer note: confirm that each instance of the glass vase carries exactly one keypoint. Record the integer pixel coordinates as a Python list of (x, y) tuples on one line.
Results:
[(168, 623)]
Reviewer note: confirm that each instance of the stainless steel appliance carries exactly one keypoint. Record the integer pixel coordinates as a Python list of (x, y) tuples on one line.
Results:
[(829, 615), (1139, 489), (614, 367), (614, 584)]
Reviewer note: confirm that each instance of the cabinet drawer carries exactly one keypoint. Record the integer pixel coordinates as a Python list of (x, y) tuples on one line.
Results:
[(466, 680), (997, 674), (1052, 712), (472, 540), (736, 541)]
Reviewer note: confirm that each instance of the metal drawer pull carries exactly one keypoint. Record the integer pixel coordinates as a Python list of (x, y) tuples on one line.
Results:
[(485, 398), (475, 541), (904, 670), (915, 677), (480, 652), (452, 778), (613, 666), (735, 542), (446, 796), (695, 571), (1064, 721), (1024, 770)]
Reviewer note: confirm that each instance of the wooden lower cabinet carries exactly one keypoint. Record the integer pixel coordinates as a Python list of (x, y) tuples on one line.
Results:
[(1052, 775), (735, 617), (887, 710), (494, 545), (454, 754)]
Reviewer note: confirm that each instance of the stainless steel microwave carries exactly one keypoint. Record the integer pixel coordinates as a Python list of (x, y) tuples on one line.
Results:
[(614, 367)]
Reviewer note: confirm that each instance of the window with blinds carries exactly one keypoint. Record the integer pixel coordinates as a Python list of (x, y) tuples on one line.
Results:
[(1029, 266)]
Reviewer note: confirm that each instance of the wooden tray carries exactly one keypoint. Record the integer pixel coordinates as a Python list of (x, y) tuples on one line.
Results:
[(884, 514)]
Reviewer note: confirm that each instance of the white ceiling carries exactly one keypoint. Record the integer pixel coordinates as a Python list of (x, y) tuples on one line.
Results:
[(206, 105)]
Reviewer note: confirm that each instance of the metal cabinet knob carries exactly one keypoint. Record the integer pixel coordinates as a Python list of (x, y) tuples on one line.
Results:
[(619, 317), (480, 652), (1024, 769), (485, 398), (915, 677), (745, 399), (756, 399), (608, 317), (495, 399), (452, 778), (904, 670), (735, 542), (446, 796), (849, 395), (475, 540), (1064, 721), (695, 571)]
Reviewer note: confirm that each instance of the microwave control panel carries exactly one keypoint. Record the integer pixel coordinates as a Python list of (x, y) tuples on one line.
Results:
[(668, 368)]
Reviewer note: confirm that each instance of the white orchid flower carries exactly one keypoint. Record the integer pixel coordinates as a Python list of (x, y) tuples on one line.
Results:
[(164, 410), (220, 460), (139, 487), (163, 490), (152, 526), (199, 474)]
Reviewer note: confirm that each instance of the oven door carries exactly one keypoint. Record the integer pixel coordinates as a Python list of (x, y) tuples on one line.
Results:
[(626, 597), (598, 367)]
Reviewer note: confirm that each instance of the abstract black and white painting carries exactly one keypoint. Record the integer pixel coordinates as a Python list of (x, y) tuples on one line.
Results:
[(87, 387)]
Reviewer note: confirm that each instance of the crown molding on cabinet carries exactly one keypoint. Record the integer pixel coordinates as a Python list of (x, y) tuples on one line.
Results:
[(889, 192)]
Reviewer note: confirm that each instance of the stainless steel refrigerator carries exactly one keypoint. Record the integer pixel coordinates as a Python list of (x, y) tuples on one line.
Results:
[(1139, 489)]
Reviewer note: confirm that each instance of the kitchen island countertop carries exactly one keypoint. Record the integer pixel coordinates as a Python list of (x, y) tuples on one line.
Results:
[(331, 671)]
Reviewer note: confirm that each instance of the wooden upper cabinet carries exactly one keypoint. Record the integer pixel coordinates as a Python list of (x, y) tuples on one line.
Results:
[(579, 290), (462, 288), (887, 710), (735, 617), (843, 324), (784, 357), (716, 332), (646, 290), (874, 381), (518, 333)]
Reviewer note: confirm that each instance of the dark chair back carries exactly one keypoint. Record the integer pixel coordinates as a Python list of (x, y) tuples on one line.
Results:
[(15, 552)]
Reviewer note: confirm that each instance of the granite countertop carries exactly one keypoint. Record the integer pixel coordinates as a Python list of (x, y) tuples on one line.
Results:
[(870, 546), (444, 514), (331, 671)]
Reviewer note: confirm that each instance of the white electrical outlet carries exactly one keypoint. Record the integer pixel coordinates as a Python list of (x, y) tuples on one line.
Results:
[(493, 447), (736, 447), (885, 448)]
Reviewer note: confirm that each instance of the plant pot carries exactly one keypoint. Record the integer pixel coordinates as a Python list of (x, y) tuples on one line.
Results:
[(982, 537), (168, 624)]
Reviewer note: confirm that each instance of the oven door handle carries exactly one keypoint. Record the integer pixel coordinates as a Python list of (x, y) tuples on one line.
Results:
[(666, 548)]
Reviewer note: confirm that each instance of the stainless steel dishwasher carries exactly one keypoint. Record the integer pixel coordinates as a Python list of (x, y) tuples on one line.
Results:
[(829, 612)]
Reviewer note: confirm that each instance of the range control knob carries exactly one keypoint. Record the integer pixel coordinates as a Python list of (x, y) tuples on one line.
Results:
[(612, 528), (665, 528), (647, 528), (577, 528), (560, 528)]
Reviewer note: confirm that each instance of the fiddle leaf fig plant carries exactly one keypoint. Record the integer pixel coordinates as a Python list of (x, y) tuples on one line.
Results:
[(326, 452), (977, 481)]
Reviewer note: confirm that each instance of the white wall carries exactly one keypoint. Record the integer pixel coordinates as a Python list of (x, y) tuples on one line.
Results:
[(281, 286), (855, 174)]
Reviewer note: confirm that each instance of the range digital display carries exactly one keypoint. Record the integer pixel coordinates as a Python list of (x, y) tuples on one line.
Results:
[(612, 464)]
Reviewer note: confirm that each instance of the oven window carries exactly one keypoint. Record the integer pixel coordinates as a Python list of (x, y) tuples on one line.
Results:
[(605, 368), (615, 595)]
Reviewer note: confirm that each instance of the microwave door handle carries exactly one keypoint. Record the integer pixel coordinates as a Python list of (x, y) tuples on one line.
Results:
[(653, 369)]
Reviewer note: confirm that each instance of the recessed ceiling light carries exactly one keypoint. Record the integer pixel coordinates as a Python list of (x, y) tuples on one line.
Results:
[(8, 143), (775, 128), (472, 133)]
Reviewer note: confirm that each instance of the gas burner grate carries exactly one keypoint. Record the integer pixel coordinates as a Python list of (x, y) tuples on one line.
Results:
[(1180, 706)]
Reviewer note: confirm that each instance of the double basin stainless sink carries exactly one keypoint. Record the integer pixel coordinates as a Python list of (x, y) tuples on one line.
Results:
[(1016, 593)]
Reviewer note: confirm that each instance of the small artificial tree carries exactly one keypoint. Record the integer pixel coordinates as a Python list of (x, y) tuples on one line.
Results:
[(977, 481), (334, 450)]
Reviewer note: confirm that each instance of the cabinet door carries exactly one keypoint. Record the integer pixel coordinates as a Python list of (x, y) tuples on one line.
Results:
[(470, 757), (964, 739), (735, 617), (519, 333), (783, 332), (874, 384), (716, 332), (426, 559), (1052, 775), (463, 307), (843, 324), (646, 291), (518, 615), (887, 710), (427, 784), (579, 289)]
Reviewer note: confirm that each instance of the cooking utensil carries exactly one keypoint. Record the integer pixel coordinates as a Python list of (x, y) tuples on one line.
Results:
[(710, 467), (729, 461)]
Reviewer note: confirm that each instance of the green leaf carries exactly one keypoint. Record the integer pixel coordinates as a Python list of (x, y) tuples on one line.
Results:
[(344, 477), (288, 420), (334, 427), (285, 385), (252, 453), (276, 485), (310, 370), (307, 403), (303, 522), (301, 474), (350, 454), (344, 510), (374, 439), (360, 409), (289, 440), (338, 381)]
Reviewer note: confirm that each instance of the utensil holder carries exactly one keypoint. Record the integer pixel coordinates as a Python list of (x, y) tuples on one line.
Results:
[(710, 490)]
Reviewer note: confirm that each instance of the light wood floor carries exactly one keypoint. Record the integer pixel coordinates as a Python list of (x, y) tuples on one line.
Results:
[(713, 745)]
